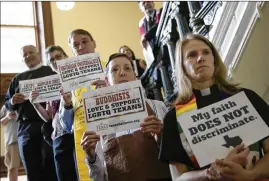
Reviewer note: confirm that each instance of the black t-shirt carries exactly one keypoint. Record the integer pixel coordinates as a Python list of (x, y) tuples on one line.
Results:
[(171, 146), (139, 69), (26, 110)]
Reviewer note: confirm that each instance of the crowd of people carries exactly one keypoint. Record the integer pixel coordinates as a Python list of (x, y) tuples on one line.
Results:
[(51, 140)]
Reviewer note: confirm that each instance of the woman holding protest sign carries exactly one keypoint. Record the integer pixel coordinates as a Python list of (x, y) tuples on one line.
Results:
[(82, 42), (62, 140), (202, 82), (129, 155)]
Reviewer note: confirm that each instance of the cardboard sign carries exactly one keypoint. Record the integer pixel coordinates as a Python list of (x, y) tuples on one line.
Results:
[(215, 130), (115, 108), (48, 88), (80, 71)]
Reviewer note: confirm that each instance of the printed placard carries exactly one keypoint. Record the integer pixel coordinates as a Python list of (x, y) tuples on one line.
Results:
[(48, 88), (116, 108), (80, 71), (215, 130)]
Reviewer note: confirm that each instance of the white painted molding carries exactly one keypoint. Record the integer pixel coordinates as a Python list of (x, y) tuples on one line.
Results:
[(233, 29), (221, 23)]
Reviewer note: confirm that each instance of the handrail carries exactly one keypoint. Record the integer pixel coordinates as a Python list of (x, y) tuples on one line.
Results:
[(162, 21)]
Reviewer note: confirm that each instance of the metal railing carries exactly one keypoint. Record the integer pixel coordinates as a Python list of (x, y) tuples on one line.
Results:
[(177, 20)]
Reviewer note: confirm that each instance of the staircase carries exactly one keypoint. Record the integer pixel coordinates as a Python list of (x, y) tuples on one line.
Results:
[(227, 24)]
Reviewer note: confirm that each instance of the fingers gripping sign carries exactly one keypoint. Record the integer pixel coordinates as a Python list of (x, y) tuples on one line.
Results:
[(88, 143), (33, 95), (152, 125), (17, 98)]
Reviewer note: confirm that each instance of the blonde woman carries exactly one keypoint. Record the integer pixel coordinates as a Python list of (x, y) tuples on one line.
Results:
[(202, 81)]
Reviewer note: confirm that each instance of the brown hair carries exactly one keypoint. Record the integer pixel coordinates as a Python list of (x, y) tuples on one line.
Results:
[(79, 32), (125, 46), (53, 48), (183, 82), (116, 55)]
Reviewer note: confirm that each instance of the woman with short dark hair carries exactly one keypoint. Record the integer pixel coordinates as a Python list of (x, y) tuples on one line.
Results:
[(127, 155)]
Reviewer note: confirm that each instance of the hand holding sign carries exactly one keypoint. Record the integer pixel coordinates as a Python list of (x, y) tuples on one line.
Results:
[(17, 98), (99, 84), (238, 155), (88, 143), (152, 125), (230, 170), (33, 95), (12, 115)]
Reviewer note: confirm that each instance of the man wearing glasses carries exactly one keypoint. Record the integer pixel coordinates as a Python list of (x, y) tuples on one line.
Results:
[(61, 140)]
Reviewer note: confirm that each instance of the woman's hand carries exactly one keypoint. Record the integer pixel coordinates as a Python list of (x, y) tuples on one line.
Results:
[(99, 84), (152, 125), (230, 170), (238, 155), (33, 95), (212, 174), (17, 98), (11, 115), (88, 143)]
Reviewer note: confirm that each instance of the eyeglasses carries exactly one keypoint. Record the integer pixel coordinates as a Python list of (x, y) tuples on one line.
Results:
[(56, 57)]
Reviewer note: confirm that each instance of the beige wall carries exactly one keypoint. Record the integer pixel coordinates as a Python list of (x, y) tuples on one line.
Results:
[(253, 69), (122, 28), (112, 24)]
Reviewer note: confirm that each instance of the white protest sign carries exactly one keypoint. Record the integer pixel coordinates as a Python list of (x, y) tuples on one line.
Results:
[(215, 130), (80, 71), (115, 108), (48, 88)]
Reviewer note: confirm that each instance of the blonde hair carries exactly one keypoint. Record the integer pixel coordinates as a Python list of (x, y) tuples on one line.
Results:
[(184, 85)]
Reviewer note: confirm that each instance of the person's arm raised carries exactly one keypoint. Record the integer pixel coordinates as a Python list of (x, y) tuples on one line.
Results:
[(41, 111), (91, 146)]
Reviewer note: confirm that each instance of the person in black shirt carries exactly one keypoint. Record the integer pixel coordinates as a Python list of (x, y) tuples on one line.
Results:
[(202, 74), (34, 151)]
